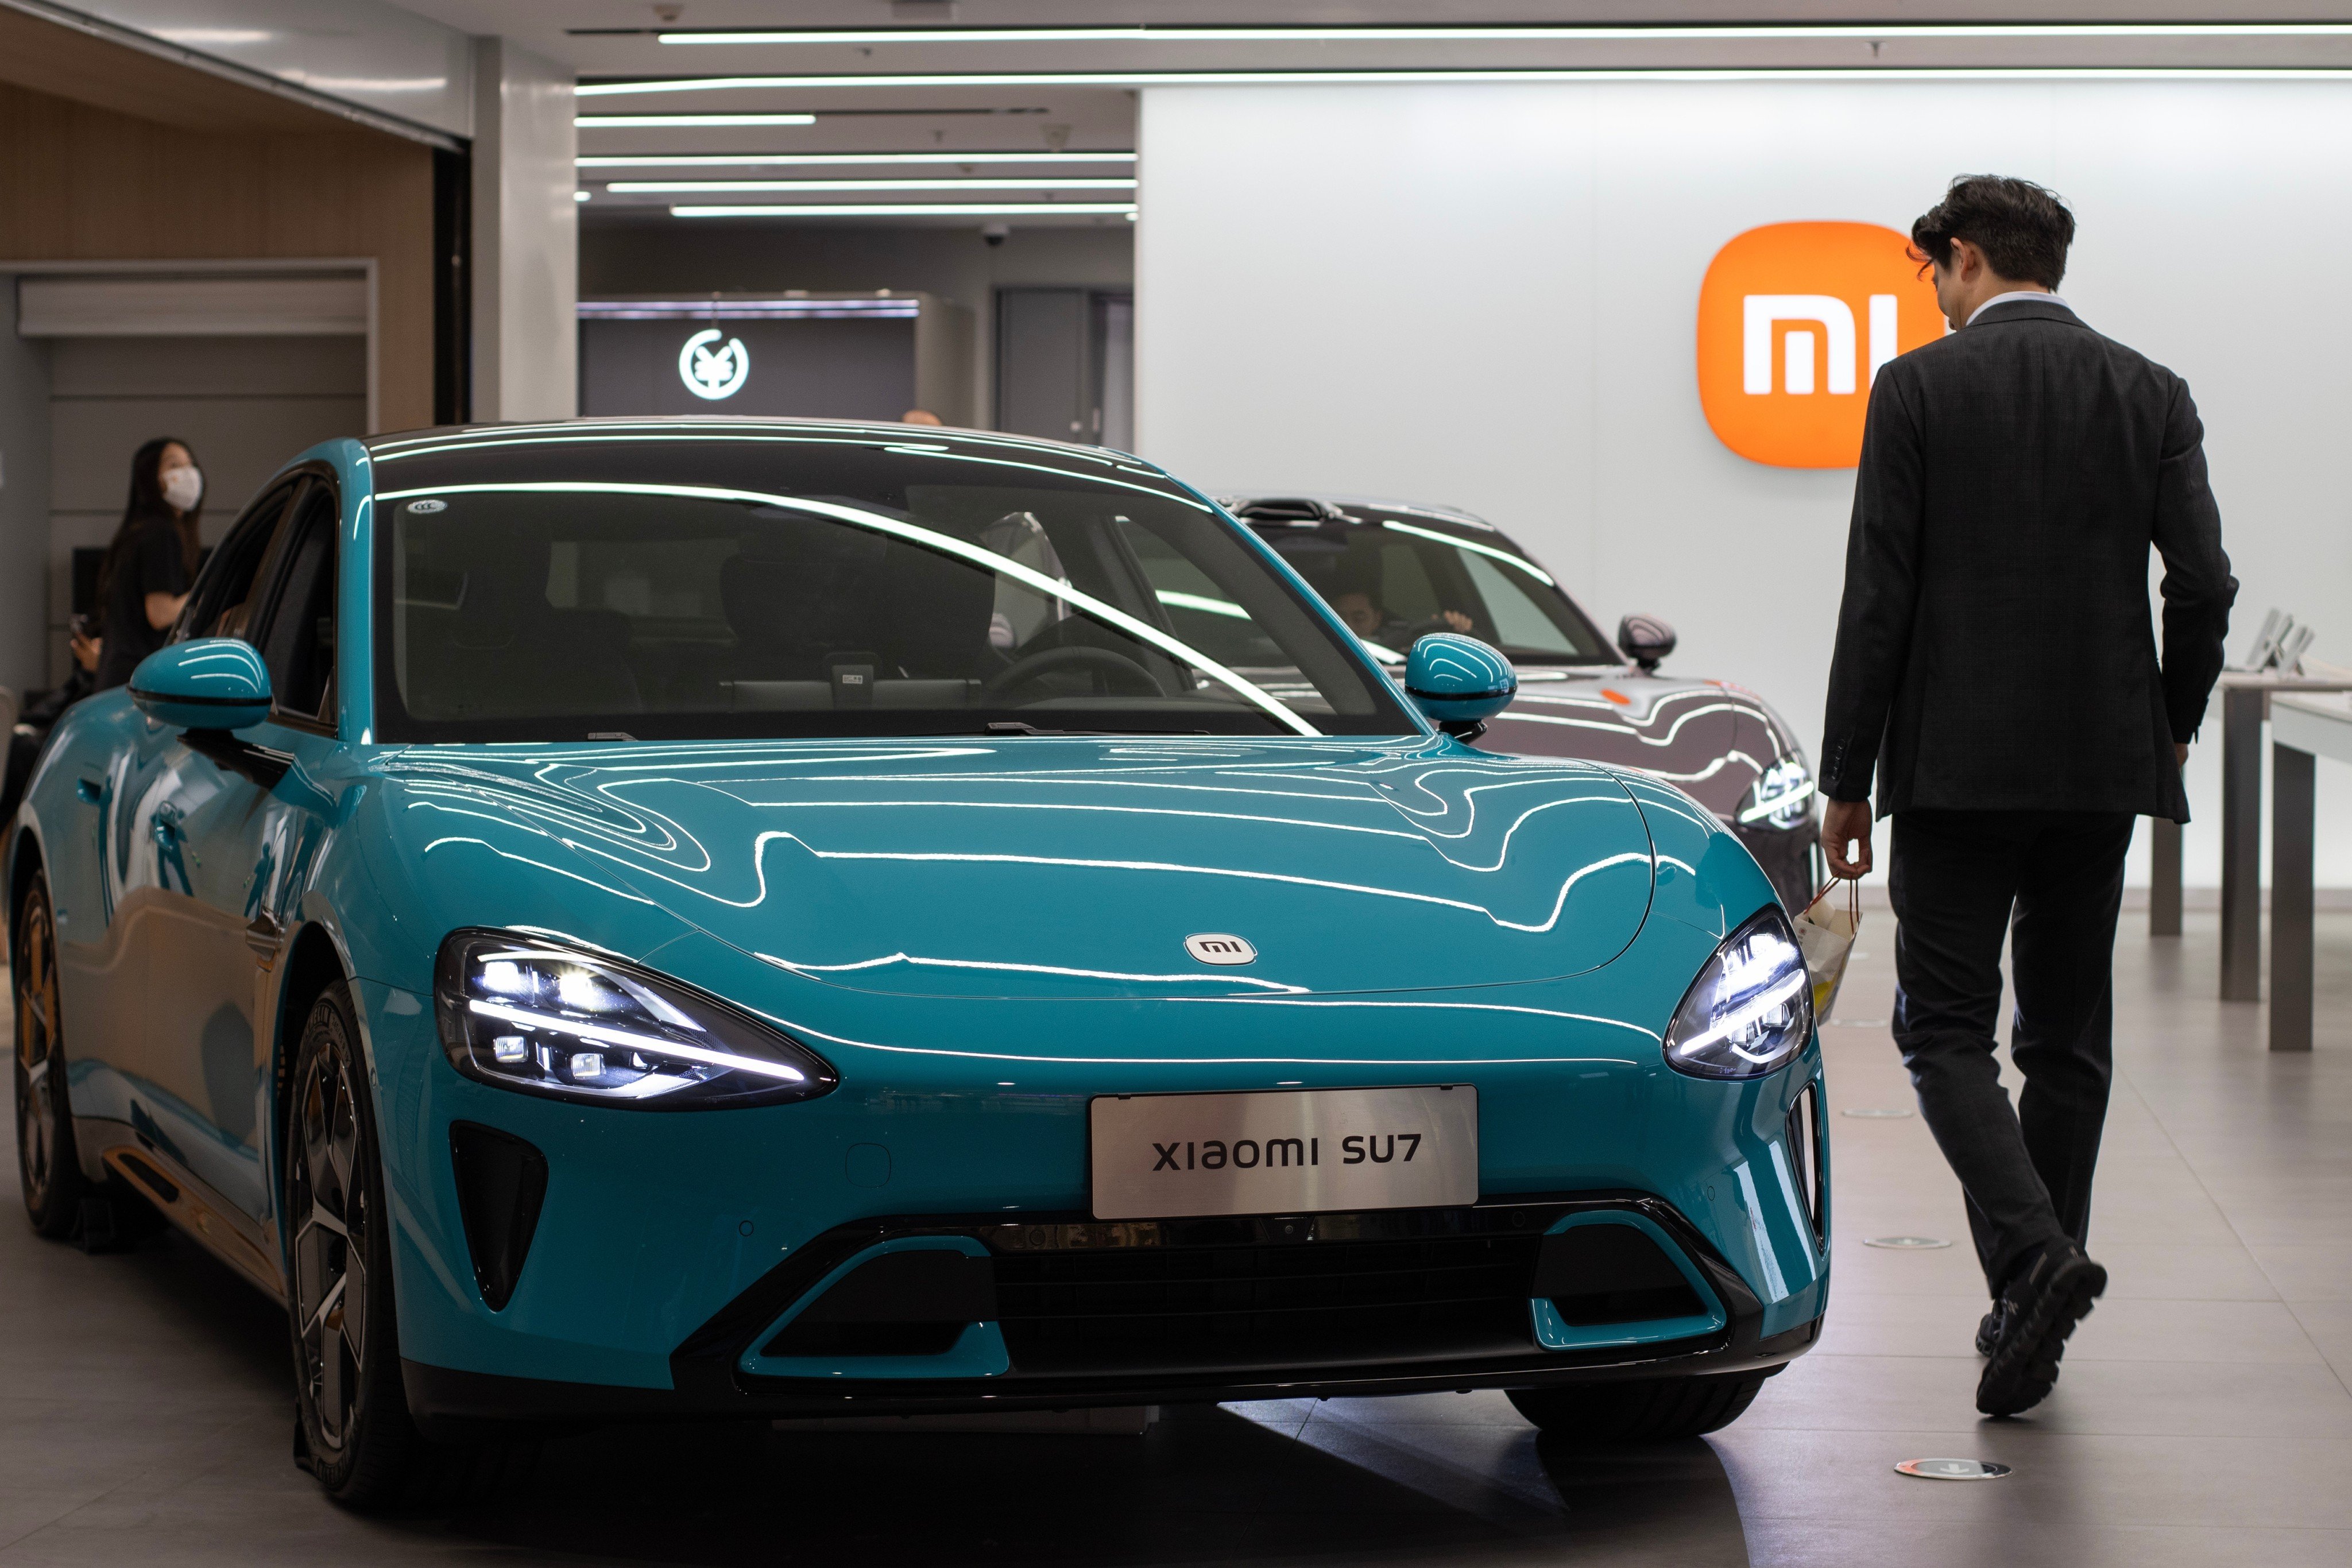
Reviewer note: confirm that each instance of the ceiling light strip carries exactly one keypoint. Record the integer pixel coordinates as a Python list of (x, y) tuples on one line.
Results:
[(1529, 33), (796, 160), (638, 122), (909, 210), (640, 187), (1350, 77)]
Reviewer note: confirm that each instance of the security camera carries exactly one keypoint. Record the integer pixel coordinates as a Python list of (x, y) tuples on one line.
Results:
[(994, 233)]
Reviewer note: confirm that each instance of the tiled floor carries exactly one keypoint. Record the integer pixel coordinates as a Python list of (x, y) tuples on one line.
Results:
[(2204, 1417)]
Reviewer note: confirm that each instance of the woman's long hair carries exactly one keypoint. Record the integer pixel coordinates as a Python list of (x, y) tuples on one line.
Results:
[(147, 505)]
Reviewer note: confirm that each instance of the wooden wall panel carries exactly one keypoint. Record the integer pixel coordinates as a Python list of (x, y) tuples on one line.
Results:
[(85, 183)]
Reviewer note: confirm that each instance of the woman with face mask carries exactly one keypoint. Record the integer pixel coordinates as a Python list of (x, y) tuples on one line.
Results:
[(153, 559)]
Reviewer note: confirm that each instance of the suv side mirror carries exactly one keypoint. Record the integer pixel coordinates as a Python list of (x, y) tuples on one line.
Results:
[(211, 683), (1645, 640), (1459, 683)]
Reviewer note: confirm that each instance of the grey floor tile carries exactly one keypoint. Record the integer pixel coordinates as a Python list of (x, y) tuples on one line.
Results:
[(1883, 1393), (2301, 1272)]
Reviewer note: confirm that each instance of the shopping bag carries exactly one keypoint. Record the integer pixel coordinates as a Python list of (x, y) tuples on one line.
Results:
[(1825, 934)]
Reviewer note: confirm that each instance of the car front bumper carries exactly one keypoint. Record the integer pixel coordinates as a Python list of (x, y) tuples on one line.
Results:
[(1442, 1342)]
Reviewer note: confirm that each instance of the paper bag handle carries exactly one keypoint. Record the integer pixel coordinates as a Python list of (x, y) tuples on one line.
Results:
[(1853, 896)]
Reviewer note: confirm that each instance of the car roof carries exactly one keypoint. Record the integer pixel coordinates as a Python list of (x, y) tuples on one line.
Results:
[(719, 427)]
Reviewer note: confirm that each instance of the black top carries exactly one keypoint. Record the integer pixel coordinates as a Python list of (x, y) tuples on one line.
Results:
[(1994, 650), (151, 562)]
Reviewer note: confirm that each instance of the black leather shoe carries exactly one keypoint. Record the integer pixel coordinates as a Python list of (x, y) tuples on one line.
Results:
[(2039, 1310), (1989, 1331)]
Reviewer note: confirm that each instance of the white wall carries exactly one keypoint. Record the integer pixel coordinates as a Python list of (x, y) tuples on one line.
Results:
[(1485, 295)]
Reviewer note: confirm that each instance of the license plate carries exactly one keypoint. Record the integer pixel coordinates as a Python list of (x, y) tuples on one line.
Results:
[(1288, 1151)]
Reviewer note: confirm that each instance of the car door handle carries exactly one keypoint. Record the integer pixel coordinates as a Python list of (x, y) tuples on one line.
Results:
[(92, 790)]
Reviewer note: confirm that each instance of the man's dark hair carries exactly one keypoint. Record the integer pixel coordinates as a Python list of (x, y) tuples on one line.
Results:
[(2023, 229)]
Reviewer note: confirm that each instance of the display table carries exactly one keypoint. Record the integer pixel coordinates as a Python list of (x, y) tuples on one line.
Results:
[(2303, 729), (2245, 703)]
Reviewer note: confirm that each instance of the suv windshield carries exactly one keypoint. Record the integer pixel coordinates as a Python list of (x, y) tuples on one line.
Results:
[(813, 581), (1395, 576)]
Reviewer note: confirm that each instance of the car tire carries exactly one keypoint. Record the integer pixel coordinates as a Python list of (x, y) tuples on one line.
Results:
[(1654, 1410), (352, 1430), (49, 1166)]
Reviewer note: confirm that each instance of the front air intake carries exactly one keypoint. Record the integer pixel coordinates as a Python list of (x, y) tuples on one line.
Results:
[(915, 1303), (501, 1182), (1612, 1273)]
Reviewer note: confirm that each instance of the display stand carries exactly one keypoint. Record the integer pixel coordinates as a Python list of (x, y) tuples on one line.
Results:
[(2303, 729), (2247, 701)]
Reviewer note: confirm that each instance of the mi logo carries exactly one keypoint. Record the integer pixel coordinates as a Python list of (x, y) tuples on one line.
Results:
[(1794, 321), (1759, 313)]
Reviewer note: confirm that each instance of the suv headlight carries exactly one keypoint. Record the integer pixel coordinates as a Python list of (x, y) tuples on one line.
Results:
[(1751, 1007), (1782, 796), (526, 1013)]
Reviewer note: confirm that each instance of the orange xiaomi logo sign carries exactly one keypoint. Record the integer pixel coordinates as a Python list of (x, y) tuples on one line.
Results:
[(1794, 321)]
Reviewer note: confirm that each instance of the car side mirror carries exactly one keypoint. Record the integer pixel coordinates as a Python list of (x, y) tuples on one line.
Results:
[(211, 683), (1645, 640), (1459, 683)]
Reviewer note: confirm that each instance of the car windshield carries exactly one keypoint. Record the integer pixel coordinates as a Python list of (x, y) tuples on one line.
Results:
[(797, 582), (1395, 577)]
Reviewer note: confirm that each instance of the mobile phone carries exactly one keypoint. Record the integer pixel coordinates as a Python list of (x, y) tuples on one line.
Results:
[(80, 627)]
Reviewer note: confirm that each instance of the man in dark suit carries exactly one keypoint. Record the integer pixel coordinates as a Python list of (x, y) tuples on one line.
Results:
[(1996, 666)]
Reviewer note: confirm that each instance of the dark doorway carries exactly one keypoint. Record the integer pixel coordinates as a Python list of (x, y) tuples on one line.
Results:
[(1064, 364)]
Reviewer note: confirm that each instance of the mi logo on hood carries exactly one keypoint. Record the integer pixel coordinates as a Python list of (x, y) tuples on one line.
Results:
[(1794, 321)]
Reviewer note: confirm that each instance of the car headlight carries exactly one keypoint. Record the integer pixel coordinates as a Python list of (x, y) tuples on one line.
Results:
[(526, 1013), (1751, 1007), (1781, 796)]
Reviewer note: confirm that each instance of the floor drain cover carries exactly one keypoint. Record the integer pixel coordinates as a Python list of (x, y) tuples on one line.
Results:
[(1907, 1243), (1875, 1113), (1953, 1469)]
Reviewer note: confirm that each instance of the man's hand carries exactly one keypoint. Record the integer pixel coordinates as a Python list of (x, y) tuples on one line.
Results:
[(1844, 822), (2180, 752)]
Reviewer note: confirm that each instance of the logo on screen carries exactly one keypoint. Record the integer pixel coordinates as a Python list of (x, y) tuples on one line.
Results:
[(711, 368), (1794, 321)]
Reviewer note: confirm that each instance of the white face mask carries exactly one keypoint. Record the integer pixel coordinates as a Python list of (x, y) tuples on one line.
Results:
[(183, 489)]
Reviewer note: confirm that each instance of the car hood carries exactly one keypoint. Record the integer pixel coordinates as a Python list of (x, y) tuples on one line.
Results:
[(1707, 738), (1047, 866)]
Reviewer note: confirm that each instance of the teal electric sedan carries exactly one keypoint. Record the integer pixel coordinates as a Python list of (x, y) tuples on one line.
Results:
[(773, 919)]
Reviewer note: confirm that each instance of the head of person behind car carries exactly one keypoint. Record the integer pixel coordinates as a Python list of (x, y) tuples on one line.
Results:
[(153, 559)]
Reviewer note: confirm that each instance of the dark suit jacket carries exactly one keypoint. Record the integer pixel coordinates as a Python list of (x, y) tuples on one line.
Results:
[(1994, 650)]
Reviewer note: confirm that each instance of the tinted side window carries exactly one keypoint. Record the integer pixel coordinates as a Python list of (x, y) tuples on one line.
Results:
[(223, 602), (297, 641)]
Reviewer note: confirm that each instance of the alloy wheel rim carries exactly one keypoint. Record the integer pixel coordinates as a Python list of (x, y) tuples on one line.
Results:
[(329, 1199), (36, 1013)]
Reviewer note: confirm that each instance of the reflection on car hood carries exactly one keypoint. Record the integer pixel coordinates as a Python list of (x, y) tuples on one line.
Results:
[(1074, 867), (1705, 736)]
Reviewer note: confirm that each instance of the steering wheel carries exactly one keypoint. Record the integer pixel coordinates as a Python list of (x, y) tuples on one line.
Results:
[(1113, 670)]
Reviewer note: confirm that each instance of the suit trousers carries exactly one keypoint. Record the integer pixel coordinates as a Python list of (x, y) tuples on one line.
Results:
[(2053, 881)]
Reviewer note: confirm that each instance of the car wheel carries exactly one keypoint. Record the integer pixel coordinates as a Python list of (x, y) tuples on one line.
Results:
[(49, 1169), (1654, 1410), (353, 1428)]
